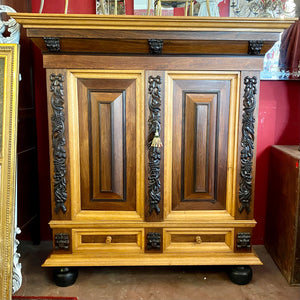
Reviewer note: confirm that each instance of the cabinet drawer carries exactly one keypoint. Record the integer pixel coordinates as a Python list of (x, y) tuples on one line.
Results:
[(108, 240), (198, 240)]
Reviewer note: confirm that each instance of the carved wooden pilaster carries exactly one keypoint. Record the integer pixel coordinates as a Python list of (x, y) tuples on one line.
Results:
[(58, 142), (154, 125), (247, 143)]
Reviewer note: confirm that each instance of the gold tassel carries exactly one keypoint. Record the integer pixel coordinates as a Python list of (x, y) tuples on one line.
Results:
[(156, 142)]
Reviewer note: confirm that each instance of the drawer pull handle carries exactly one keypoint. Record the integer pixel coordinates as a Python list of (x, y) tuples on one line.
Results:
[(108, 239), (198, 239)]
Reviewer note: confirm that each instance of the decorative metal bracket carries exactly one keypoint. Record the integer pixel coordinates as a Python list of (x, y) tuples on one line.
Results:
[(247, 143), (153, 241), (243, 240), (58, 142), (254, 47), (62, 241), (154, 125), (155, 46), (52, 44)]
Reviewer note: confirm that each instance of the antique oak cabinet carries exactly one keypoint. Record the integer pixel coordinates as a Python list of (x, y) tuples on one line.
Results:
[(152, 125)]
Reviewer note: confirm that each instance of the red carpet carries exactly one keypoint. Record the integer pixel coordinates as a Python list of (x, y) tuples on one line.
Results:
[(43, 298)]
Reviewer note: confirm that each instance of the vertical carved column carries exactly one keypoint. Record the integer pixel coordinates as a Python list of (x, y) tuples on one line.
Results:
[(154, 125), (247, 143), (58, 142)]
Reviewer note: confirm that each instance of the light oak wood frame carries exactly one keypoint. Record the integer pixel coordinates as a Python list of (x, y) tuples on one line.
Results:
[(77, 213), (233, 140), (10, 54)]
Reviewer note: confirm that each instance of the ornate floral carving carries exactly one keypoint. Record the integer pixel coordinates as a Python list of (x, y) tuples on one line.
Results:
[(154, 125), (153, 240), (58, 142), (155, 46), (62, 241), (247, 143), (254, 47), (243, 240)]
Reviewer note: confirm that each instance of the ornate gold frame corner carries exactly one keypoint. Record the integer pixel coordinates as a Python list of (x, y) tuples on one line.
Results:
[(9, 84)]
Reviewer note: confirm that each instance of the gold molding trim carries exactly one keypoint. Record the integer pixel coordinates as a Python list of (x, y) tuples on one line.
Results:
[(154, 23), (10, 54)]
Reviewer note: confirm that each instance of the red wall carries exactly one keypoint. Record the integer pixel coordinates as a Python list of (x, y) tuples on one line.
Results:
[(278, 121)]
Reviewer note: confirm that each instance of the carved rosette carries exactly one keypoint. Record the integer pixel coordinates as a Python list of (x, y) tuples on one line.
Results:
[(154, 154), (247, 143), (153, 241), (58, 142), (243, 240)]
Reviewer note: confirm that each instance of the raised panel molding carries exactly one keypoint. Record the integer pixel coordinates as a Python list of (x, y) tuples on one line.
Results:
[(107, 149), (201, 116), (108, 183)]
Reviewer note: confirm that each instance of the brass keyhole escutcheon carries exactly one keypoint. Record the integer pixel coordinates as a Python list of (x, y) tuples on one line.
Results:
[(198, 239), (108, 239)]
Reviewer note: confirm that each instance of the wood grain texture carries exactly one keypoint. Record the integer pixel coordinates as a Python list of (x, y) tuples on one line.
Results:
[(119, 91), (283, 214), (188, 94), (161, 63)]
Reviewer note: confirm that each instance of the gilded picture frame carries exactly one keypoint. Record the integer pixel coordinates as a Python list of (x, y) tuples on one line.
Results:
[(9, 83)]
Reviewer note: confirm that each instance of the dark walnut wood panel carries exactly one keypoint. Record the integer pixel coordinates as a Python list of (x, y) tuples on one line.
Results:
[(199, 152), (107, 126), (140, 46), (151, 34), (139, 62), (199, 148)]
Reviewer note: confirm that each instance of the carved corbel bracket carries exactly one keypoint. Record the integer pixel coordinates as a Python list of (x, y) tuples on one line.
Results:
[(254, 47), (52, 44), (155, 46)]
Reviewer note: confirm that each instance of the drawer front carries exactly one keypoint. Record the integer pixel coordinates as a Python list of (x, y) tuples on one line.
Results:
[(108, 241), (198, 240)]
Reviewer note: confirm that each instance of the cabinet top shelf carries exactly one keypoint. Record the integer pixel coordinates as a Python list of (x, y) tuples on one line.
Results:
[(130, 34)]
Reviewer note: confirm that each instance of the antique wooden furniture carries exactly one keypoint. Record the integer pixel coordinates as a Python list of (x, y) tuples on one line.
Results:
[(118, 88), (283, 214)]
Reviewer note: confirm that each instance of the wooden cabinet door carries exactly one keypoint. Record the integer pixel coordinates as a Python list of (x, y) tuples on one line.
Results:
[(110, 126), (200, 116)]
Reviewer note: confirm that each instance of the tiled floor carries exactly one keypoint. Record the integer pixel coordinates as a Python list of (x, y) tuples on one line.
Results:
[(154, 283)]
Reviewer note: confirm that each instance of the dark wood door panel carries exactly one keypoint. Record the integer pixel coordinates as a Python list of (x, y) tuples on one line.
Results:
[(107, 111), (199, 151)]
